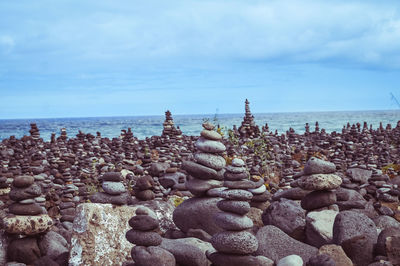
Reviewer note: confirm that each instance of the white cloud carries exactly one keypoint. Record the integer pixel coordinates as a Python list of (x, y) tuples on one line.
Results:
[(6, 44)]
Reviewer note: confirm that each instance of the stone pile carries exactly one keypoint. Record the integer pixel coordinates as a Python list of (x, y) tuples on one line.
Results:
[(143, 188), (114, 190), (206, 172), (63, 135), (34, 131), (248, 128), (235, 244), (146, 240), (26, 217), (169, 127)]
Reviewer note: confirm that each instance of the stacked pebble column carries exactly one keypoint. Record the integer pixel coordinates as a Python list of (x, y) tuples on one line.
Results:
[(236, 243), (207, 172), (143, 234)]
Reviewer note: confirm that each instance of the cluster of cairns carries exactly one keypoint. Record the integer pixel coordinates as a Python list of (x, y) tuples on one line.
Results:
[(347, 203)]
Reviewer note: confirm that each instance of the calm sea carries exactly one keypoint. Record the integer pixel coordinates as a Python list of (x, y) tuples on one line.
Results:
[(145, 126)]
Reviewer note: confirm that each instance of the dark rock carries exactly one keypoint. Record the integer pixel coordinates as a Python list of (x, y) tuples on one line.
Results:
[(199, 171), (25, 209), (18, 194), (141, 238), (101, 197), (112, 176), (143, 223), (380, 248), (218, 258), (321, 260), (154, 256), (318, 199), (23, 181), (23, 250), (318, 166), (185, 254)]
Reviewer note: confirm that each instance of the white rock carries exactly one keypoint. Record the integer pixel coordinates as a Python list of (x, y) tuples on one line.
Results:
[(319, 227), (258, 190), (291, 260)]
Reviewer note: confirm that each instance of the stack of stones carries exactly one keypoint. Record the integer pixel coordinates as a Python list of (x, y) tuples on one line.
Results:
[(169, 127), (319, 178), (34, 131), (248, 129), (146, 240), (144, 188), (63, 134), (206, 173), (26, 216), (236, 243), (114, 190)]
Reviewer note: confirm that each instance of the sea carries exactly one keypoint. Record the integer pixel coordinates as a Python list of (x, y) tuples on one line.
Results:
[(147, 126)]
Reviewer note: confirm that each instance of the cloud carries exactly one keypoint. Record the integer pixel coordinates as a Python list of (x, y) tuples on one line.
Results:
[(6, 44)]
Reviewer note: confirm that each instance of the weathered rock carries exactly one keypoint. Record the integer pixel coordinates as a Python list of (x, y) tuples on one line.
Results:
[(27, 225), (215, 162), (318, 166), (53, 245), (210, 134), (197, 213), (101, 197), (163, 211), (210, 146), (235, 242), (157, 169), (357, 234), (393, 249), (232, 222), (218, 258), (235, 206), (380, 248), (113, 188), (288, 216), (319, 227), (319, 182), (337, 254), (97, 237), (295, 193), (271, 240), (23, 250), (359, 175), (156, 256), (199, 187), (188, 251)]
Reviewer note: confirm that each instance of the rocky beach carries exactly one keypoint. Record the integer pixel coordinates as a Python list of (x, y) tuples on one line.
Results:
[(241, 196)]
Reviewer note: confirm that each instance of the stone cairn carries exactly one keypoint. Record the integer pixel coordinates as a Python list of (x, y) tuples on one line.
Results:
[(146, 240), (206, 173), (114, 190), (169, 127), (248, 129), (144, 188), (319, 178), (34, 131), (236, 243)]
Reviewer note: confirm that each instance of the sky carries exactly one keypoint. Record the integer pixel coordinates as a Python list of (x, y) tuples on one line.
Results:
[(85, 58)]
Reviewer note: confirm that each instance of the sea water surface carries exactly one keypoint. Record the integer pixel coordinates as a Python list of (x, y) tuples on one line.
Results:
[(147, 126)]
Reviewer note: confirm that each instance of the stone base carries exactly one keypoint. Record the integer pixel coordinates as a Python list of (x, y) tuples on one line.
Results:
[(27, 225)]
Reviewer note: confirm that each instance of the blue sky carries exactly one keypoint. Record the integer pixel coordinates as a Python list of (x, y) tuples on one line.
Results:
[(102, 58)]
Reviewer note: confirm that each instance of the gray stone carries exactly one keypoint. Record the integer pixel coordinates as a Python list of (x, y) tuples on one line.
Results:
[(232, 221), (357, 234), (143, 222), (199, 187), (238, 162), (187, 251), (215, 162), (236, 194), (273, 243), (291, 193), (318, 166), (3, 247), (288, 216), (218, 258), (112, 176), (157, 169), (17, 194), (210, 146), (382, 222), (200, 171), (239, 207), (53, 245), (101, 197), (319, 182), (155, 256), (318, 199), (380, 248), (23, 250), (291, 260), (141, 238), (359, 175), (113, 188), (235, 170), (197, 213), (321, 260), (209, 134), (319, 227), (241, 242)]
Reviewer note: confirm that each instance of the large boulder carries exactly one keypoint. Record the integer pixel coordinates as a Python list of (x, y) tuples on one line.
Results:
[(288, 216), (318, 166), (98, 236), (25, 250), (197, 213), (357, 234), (53, 245), (273, 243), (319, 227)]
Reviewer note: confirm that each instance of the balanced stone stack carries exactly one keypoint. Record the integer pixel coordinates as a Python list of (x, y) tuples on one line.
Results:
[(169, 127), (144, 188), (63, 134), (248, 129), (146, 240), (114, 190), (319, 178), (236, 243), (34, 131), (206, 173), (26, 216)]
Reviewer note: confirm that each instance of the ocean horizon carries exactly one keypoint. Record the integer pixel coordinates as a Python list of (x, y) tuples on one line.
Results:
[(146, 126)]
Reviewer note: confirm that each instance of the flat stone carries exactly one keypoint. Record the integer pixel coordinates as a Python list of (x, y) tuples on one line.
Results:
[(208, 126), (318, 166), (145, 195), (23, 181), (25, 209), (209, 146), (210, 134), (101, 197), (244, 184), (273, 243), (18, 194), (235, 206), (27, 225), (200, 171), (319, 182), (232, 221), (143, 222), (236, 177), (261, 189), (141, 238), (113, 188), (236, 194), (112, 176), (318, 199), (359, 175), (27, 201), (215, 162), (321, 260), (291, 193), (241, 242), (199, 187), (238, 162)]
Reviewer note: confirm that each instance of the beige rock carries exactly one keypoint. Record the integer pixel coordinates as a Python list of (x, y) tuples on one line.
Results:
[(319, 227), (27, 225), (337, 254), (319, 182), (255, 215), (4, 191)]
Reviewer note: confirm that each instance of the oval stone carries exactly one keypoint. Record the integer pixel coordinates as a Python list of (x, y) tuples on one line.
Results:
[(235, 206), (241, 242), (213, 161), (23, 181), (25, 209), (113, 188), (143, 223), (236, 194), (235, 170), (232, 222), (199, 187), (211, 146), (261, 189), (146, 239), (210, 134), (319, 182)]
